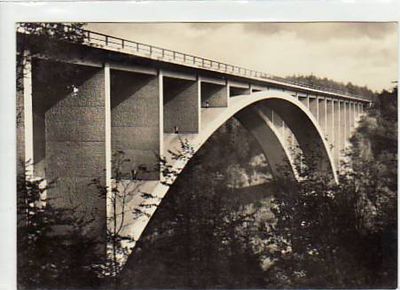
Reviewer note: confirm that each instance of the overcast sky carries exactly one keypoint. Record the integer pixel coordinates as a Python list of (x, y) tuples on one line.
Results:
[(362, 53)]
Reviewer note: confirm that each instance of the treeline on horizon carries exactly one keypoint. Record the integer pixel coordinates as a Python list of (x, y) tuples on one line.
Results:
[(348, 88)]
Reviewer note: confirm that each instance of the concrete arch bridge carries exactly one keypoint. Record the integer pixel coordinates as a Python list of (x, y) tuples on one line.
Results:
[(83, 101)]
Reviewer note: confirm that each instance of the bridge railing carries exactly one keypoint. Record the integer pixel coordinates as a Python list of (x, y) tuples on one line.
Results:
[(101, 40)]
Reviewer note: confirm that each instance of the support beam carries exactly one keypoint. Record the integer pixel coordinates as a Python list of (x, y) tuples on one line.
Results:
[(133, 68), (179, 75), (237, 90), (257, 88), (211, 80), (238, 85)]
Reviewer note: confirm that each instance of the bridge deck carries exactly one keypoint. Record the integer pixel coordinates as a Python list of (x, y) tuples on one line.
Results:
[(120, 45)]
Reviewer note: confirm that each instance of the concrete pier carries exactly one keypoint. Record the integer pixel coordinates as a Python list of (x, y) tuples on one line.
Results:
[(135, 123), (69, 103), (181, 105)]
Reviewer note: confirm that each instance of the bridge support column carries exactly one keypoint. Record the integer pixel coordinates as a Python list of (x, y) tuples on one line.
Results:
[(280, 127), (348, 122), (70, 103), (135, 122), (360, 110), (213, 95), (25, 119), (355, 116), (336, 131), (269, 141), (181, 105), (343, 129), (352, 117), (322, 117), (313, 104), (330, 119), (309, 140)]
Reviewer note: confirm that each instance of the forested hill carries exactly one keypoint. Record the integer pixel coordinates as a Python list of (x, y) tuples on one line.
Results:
[(349, 88)]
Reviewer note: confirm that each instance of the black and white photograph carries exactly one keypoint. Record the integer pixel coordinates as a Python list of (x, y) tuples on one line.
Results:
[(205, 155)]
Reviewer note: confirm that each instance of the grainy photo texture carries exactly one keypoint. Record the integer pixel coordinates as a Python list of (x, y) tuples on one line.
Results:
[(206, 155)]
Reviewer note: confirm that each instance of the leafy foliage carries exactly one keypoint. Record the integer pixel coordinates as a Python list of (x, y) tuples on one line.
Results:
[(200, 236), (54, 249), (52, 252), (43, 38), (320, 234), (344, 236)]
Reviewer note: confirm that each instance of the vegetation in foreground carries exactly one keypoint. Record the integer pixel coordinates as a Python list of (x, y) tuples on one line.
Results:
[(219, 228), (210, 234)]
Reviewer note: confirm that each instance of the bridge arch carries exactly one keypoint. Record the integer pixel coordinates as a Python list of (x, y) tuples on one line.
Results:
[(251, 112)]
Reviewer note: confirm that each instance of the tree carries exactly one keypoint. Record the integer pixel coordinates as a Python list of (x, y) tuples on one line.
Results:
[(344, 236), (53, 250), (349, 88), (200, 236), (36, 38)]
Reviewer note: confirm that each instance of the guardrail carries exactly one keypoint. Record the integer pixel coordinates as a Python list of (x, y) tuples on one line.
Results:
[(97, 39)]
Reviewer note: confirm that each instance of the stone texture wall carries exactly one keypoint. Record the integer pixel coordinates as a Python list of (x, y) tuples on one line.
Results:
[(181, 105), (215, 95), (75, 147), (135, 123)]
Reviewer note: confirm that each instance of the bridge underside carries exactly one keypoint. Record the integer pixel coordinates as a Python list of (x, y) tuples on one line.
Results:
[(77, 117)]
